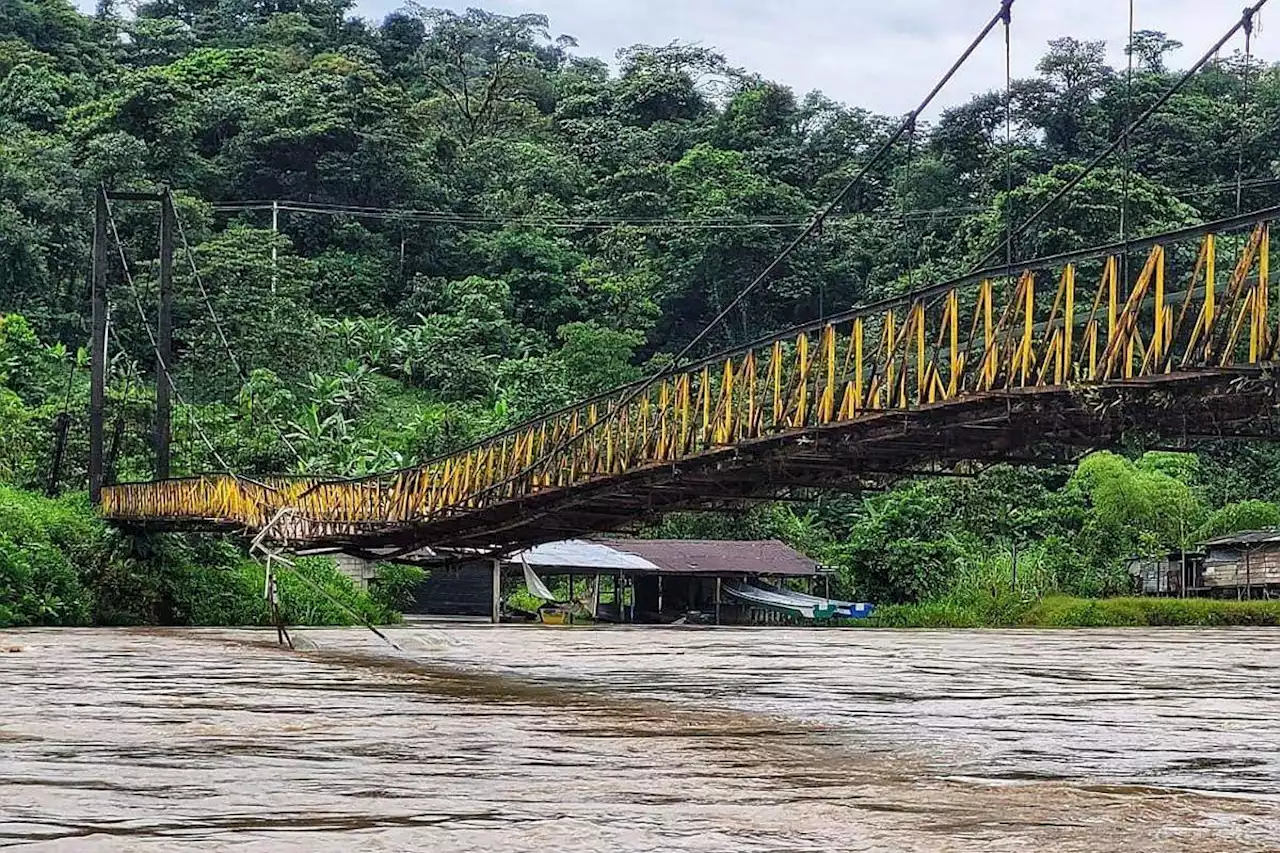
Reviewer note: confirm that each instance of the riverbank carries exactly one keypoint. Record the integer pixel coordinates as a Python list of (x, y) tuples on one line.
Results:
[(1069, 612)]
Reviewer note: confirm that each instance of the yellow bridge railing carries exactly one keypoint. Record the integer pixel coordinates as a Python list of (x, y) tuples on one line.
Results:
[(1188, 300)]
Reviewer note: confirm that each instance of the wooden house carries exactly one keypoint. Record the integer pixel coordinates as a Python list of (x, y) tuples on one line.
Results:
[(1244, 565)]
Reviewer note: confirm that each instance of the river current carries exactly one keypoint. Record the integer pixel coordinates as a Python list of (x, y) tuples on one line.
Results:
[(480, 738)]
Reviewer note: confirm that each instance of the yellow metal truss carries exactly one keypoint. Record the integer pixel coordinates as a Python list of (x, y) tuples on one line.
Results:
[(1079, 322)]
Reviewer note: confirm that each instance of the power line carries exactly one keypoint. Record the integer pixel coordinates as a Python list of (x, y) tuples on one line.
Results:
[(726, 223)]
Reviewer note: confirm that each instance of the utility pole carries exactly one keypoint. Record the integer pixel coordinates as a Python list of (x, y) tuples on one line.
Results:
[(98, 345), (164, 340)]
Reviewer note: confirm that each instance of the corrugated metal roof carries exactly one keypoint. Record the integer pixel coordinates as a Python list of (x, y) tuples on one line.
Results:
[(703, 556), (672, 556), (581, 554), (1245, 537)]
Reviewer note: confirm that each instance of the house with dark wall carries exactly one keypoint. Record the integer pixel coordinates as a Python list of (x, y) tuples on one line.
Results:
[(1174, 573), (635, 580)]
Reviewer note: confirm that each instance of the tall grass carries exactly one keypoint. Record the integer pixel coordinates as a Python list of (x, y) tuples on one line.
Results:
[(1046, 595), (1064, 612), (1061, 611)]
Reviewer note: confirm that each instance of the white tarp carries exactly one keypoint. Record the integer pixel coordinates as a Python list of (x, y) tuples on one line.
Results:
[(572, 554), (842, 608), (534, 583), (782, 601)]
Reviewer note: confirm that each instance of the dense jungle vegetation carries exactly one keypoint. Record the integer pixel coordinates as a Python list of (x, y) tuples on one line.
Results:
[(565, 224)]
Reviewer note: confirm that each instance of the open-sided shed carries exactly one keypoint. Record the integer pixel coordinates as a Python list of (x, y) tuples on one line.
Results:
[(633, 580), (658, 580)]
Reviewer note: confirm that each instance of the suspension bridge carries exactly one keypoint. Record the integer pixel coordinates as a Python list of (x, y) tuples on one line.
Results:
[(1171, 335)]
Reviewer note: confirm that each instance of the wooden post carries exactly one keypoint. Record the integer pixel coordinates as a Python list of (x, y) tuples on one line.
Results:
[(495, 615), (98, 346), (164, 341), (718, 601)]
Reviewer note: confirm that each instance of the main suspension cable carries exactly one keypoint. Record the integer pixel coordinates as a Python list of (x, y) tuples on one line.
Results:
[(204, 294), (1128, 146), (910, 253), (1008, 133), (814, 225), (1244, 113)]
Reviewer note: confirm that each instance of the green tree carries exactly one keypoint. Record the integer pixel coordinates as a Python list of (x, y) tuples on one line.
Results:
[(1149, 48), (483, 70), (1237, 517), (901, 551)]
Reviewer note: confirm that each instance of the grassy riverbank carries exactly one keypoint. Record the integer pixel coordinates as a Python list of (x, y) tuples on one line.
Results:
[(1069, 612)]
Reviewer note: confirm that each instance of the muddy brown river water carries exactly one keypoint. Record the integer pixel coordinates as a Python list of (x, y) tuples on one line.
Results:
[(474, 738)]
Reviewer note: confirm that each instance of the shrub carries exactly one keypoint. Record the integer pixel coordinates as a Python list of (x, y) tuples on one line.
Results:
[(42, 542), (393, 588), (316, 593), (895, 554), (1245, 515)]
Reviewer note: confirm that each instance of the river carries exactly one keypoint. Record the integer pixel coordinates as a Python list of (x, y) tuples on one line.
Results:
[(479, 738)]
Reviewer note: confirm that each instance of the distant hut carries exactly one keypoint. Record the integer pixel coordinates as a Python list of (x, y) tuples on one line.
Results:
[(1174, 573)]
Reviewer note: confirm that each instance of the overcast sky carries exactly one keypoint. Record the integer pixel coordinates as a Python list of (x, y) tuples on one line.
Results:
[(879, 54)]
